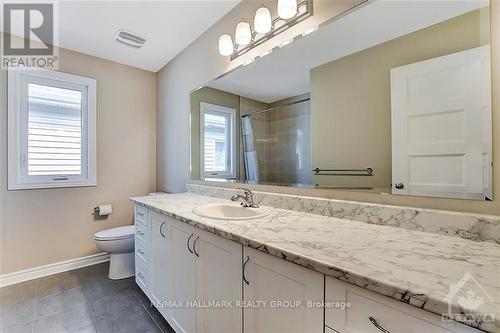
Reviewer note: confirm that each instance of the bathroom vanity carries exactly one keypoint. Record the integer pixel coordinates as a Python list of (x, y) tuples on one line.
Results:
[(292, 271), (385, 103)]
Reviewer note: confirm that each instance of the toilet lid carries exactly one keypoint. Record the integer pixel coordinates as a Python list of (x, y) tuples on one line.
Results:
[(115, 233)]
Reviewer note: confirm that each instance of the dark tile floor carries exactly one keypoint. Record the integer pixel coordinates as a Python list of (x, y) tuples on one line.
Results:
[(78, 301)]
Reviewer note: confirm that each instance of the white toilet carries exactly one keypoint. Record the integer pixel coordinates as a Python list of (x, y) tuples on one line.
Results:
[(119, 242)]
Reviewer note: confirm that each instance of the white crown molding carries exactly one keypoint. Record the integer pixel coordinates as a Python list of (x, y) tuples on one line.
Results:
[(58, 267)]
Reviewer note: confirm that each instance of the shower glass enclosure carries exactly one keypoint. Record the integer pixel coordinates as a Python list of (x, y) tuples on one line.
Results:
[(277, 143)]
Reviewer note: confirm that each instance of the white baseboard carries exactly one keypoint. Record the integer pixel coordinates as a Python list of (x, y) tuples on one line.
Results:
[(58, 267)]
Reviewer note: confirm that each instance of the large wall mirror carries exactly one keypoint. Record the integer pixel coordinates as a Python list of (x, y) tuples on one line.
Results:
[(394, 97)]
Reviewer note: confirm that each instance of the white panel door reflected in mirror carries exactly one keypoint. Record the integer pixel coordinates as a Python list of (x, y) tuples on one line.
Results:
[(441, 113), (393, 97)]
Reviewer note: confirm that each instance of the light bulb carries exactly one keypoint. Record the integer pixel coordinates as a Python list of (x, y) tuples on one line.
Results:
[(243, 34), (226, 45), (262, 21), (287, 9)]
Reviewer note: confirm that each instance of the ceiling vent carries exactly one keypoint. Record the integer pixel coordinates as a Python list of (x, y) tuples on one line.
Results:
[(130, 38)]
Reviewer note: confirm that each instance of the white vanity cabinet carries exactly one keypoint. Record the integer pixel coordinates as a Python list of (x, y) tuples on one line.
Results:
[(182, 277), (204, 267), (142, 244), (272, 279), (160, 260), (204, 283), (373, 313), (218, 277)]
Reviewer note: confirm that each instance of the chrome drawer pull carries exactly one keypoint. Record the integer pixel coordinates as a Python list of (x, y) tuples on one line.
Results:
[(161, 229), (140, 275), (244, 266), (140, 213), (189, 249), (140, 233), (377, 325), (194, 246), (140, 251)]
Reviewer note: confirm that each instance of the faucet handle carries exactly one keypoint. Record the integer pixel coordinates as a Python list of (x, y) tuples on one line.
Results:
[(247, 192)]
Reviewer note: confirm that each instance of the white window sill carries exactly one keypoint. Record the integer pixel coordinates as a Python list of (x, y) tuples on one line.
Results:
[(62, 184)]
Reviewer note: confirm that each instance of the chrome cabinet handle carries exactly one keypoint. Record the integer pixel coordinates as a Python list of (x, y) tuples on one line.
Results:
[(140, 275), (244, 266), (161, 229), (377, 325), (194, 246), (140, 213), (189, 249), (140, 251), (140, 233)]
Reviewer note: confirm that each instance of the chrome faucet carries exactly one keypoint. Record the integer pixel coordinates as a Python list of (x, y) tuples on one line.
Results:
[(246, 199)]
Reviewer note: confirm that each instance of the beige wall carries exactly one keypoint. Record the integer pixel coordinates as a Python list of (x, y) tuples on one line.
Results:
[(217, 97), (200, 63), (351, 98), (43, 226)]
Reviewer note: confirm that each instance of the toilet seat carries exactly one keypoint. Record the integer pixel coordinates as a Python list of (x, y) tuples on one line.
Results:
[(115, 233)]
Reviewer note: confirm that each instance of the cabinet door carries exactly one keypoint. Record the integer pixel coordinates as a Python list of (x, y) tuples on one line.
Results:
[(182, 277), (160, 261), (218, 278), (275, 280)]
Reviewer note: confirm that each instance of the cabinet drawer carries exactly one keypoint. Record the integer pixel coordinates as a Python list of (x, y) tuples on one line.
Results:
[(141, 214), (391, 315), (141, 250), (141, 275), (141, 232)]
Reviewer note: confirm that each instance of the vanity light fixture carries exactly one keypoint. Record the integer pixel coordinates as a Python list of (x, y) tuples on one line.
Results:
[(226, 46), (265, 27), (287, 9), (243, 34), (263, 22)]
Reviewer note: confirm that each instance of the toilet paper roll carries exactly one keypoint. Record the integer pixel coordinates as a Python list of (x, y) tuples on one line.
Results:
[(105, 210)]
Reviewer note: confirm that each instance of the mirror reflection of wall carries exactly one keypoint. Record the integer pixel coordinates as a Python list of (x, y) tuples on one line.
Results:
[(352, 109), (402, 106)]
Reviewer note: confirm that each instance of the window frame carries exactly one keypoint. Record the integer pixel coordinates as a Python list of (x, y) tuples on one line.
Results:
[(17, 113), (218, 109)]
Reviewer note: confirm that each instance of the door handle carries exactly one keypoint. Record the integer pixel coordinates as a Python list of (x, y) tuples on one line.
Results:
[(161, 231), (194, 246), (399, 186), (244, 266), (189, 249)]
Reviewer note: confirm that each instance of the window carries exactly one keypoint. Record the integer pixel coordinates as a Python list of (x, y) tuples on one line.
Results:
[(218, 141), (51, 130)]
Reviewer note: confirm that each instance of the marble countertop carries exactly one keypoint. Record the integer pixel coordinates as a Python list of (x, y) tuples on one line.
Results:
[(414, 267)]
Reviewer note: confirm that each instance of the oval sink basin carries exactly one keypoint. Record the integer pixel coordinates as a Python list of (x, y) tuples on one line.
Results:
[(229, 212)]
